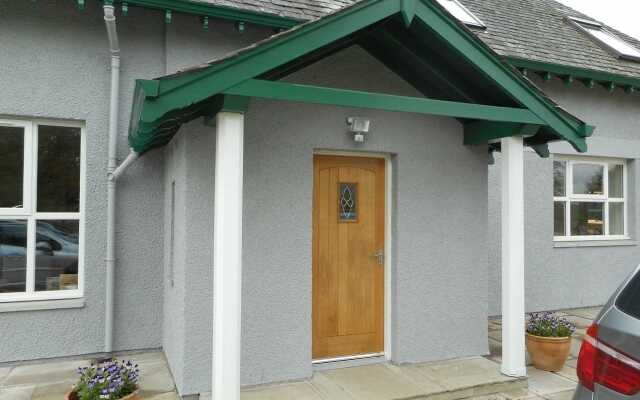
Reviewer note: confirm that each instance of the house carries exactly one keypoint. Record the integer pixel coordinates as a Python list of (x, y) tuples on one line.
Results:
[(333, 184)]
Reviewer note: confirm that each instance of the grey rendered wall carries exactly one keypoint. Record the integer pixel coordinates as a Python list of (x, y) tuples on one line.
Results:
[(576, 276), (54, 62), (188, 326), (439, 277)]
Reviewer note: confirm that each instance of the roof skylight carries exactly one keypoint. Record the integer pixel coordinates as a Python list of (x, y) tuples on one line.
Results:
[(461, 13), (610, 41)]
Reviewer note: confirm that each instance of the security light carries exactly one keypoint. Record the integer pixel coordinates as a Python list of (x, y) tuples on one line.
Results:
[(359, 127)]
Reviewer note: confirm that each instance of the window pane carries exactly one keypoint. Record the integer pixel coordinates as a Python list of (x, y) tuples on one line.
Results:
[(348, 206), (559, 178), (587, 179), (460, 12), (629, 300), (13, 256), (11, 164), (559, 218), (616, 181), (613, 41), (57, 255), (587, 219), (616, 218), (58, 169)]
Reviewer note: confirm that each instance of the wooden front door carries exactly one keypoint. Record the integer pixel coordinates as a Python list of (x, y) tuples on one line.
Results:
[(348, 258)]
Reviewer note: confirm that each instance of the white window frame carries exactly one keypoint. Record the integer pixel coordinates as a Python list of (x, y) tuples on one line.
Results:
[(477, 22), (585, 26), (29, 211), (604, 198)]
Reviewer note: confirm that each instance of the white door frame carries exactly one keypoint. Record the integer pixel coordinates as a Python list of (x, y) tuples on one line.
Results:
[(388, 246)]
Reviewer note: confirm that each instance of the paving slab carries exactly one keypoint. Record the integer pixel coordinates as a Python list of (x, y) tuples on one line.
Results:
[(569, 373), (328, 389), (520, 394), (464, 374), (156, 378), (373, 382), (413, 373), (576, 344), (45, 373), (4, 372), (297, 391), (16, 393), (589, 313), (165, 396), (566, 395), (545, 383), (55, 391)]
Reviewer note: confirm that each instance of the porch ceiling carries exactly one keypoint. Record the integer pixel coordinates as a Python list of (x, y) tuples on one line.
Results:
[(417, 39)]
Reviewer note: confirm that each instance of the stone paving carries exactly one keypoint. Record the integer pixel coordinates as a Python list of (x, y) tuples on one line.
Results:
[(51, 380), (547, 385), (478, 378)]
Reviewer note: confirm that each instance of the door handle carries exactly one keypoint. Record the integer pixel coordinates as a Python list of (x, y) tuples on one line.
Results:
[(380, 256)]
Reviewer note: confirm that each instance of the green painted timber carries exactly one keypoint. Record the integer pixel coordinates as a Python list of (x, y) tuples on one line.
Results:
[(542, 150), (567, 127), (480, 132), (181, 97), (584, 74), (353, 98), (215, 11)]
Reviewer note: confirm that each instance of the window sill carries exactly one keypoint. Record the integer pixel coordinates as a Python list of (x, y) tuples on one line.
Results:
[(41, 305), (594, 243)]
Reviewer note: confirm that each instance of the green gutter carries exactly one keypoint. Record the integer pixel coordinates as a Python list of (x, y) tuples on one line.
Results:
[(575, 72), (215, 11)]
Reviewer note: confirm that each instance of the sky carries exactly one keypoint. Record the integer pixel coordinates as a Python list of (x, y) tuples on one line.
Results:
[(620, 14)]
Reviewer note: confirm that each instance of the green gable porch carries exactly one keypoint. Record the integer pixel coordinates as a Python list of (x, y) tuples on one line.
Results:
[(458, 77)]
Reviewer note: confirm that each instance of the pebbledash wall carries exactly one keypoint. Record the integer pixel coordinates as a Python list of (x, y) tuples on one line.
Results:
[(55, 65), (439, 225), (575, 276)]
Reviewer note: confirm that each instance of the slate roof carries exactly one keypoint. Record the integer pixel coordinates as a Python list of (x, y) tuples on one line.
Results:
[(529, 29)]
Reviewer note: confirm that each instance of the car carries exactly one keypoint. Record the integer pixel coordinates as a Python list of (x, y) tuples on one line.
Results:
[(56, 256), (609, 360)]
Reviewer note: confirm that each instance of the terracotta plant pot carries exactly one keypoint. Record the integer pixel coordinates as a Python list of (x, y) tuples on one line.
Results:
[(548, 353), (133, 396)]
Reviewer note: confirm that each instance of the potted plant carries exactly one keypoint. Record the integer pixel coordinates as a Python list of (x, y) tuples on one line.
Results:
[(109, 380), (548, 340)]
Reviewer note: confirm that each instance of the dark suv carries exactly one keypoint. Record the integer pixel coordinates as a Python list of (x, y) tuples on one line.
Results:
[(609, 361)]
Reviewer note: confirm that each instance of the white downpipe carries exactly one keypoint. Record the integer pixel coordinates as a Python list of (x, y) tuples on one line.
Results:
[(114, 48), (131, 158), (513, 346)]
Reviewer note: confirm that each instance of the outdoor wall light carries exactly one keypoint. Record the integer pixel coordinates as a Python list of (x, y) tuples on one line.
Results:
[(358, 127)]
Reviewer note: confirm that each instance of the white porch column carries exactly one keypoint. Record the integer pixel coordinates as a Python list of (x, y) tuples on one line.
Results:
[(513, 348), (227, 255)]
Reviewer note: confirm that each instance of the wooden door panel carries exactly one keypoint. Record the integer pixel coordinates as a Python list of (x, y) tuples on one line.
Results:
[(348, 282)]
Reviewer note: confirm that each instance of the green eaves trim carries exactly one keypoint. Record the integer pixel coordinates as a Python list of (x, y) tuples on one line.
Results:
[(215, 11), (181, 96), (575, 72)]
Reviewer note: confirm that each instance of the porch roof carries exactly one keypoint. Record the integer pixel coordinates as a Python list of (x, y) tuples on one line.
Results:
[(457, 73)]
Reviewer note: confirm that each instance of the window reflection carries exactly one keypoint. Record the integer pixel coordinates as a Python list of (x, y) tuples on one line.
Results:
[(11, 162), (587, 219), (58, 169), (587, 179), (57, 255), (13, 256)]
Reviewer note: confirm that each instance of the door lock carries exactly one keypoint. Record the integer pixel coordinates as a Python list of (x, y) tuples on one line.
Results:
[(380, 256)]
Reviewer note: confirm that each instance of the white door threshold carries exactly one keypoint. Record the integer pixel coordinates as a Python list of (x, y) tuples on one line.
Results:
[(346, 358)]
